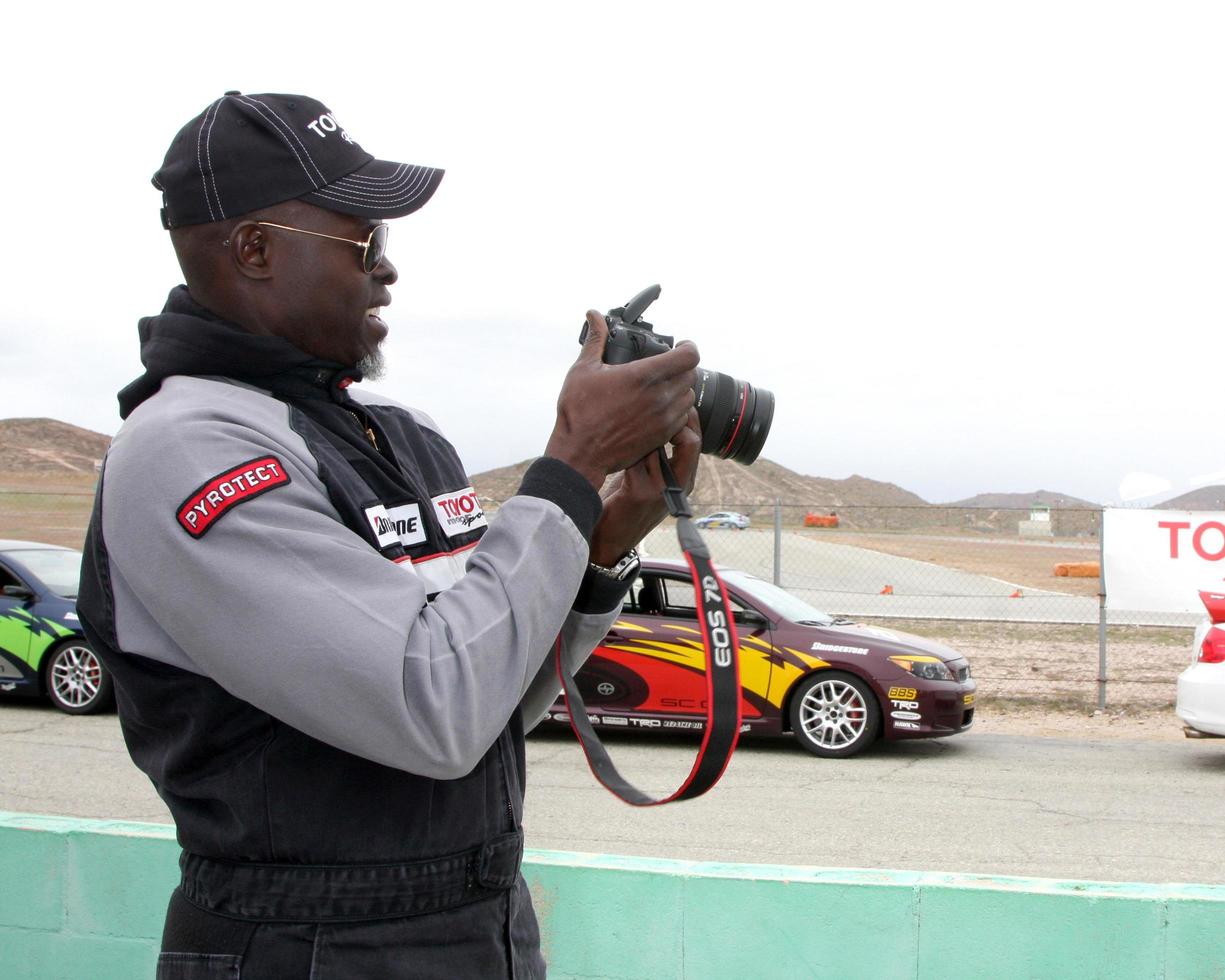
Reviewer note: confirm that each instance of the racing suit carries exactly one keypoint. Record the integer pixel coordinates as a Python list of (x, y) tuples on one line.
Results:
[(324, 654)]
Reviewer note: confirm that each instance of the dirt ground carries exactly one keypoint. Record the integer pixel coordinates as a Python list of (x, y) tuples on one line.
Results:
[(1027, 563), (1147, 725), (1041, 678)]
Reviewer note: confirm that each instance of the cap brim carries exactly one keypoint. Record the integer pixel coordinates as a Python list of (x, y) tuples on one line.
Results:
[(378, 189)]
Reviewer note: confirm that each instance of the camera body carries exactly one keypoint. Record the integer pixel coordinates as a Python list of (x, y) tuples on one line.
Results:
[(630, 338), (735, 417)]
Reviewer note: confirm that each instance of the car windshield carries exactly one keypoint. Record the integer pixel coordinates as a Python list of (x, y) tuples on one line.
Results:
[(60, 571), (780, 600)]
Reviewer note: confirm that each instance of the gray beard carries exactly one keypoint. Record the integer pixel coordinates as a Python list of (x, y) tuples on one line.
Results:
[(372, 366)]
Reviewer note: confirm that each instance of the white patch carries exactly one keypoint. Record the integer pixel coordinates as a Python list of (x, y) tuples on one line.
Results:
[(380, 523), (614, 720), (908, 715), (906, 724), (72, 615), (459, 511), (407, 522)]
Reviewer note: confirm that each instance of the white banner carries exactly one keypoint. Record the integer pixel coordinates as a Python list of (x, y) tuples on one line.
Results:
[(1159, 560)]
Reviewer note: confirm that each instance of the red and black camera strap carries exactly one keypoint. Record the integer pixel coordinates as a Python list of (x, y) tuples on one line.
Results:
[(722, 672)]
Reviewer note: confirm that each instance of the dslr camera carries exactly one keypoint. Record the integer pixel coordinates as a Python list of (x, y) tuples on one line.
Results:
[(735, 417)]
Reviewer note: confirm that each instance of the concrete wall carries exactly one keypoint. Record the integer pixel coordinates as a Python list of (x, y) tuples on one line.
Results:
[(83, 898)]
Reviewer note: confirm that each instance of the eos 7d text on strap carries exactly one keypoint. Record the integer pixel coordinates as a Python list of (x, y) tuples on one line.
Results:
[(722, 672)]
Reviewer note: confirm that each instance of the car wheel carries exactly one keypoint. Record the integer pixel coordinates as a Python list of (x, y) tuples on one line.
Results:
[(77, 683), (834, 715)]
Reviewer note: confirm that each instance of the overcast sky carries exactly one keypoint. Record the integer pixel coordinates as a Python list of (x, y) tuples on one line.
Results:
[(969, 246)]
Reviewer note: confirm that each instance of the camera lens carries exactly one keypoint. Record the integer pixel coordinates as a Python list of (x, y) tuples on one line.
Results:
[(735, 416)]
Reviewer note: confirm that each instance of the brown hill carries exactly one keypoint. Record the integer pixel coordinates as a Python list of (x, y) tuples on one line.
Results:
[(1205, 498), (1023, 501), (48, 446), (723, 484)]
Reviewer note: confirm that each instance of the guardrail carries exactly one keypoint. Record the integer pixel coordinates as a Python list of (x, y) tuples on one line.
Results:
[(85, 898)]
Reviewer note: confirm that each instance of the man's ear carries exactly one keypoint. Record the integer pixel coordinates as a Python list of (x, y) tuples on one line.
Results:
[(249, 250)]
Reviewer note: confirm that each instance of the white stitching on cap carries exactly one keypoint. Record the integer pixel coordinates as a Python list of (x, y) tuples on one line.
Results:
[(208, 155), (398, 203), (294, 133), (406, 186), (410, 175), (277, 130), (394, 175), (410, 192), (200, 160)]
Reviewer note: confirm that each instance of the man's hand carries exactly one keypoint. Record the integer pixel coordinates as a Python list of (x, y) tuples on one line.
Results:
[(610, 416), (633, 499)]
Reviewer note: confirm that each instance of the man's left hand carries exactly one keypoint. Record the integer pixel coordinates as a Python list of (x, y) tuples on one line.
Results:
[(633, 499)]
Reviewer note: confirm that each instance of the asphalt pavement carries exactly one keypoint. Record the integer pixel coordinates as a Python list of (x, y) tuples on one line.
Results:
[(1108, 810)]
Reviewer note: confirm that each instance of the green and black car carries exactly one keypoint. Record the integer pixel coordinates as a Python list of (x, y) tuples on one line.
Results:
[(42, 648)]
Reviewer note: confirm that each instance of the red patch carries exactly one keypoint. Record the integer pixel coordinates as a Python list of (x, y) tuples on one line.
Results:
[(204, 508)]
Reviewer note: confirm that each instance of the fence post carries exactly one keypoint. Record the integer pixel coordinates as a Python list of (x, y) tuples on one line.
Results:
[(1101, 613), (778, 541)]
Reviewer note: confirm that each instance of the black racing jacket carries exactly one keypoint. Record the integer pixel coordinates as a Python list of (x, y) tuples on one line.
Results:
[(323, 648)]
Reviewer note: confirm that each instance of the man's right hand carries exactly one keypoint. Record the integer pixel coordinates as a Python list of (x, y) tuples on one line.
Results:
[(609, 416)]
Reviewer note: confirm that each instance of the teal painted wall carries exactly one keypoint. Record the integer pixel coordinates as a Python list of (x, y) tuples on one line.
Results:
[(85, 898)]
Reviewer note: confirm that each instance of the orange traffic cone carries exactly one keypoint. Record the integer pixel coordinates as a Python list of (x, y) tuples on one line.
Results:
[(1016, 595), (887, 590)]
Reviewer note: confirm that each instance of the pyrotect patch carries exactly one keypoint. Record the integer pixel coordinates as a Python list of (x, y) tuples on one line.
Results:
[(204, 508)]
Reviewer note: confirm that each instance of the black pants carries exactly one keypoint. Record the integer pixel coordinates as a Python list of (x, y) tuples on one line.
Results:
[(493, 937)]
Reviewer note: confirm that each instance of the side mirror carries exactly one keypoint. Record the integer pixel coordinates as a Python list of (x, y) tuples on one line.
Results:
[(17, 592), (750, 617)]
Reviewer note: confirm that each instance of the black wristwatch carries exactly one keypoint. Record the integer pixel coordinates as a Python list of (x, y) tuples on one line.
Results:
[(625, 569)]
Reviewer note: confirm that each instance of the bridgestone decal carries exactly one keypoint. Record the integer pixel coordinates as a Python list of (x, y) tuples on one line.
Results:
[(205, 507)]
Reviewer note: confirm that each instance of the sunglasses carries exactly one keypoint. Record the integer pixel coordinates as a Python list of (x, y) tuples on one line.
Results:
[(374, 248)]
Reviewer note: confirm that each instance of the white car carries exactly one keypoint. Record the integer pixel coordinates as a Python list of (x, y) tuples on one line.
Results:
[(1201, 687), (725, 518)]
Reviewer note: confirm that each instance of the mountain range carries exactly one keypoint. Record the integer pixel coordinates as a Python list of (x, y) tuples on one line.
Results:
[(34, 447)]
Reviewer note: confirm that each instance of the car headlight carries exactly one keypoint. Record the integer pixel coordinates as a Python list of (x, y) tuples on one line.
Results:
[(929, 668)]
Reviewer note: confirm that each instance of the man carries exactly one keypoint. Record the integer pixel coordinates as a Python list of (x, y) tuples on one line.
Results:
[(325, 655)]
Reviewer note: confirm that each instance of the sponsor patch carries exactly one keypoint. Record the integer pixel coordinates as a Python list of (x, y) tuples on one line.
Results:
[(202, 509), (968, 699), (912, 726), (907, 715), (458, 511), (392, 524), (903, 693), (615, 720), (837, 648)]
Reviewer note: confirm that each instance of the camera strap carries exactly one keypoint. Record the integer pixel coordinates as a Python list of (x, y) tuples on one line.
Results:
[(722, 672)]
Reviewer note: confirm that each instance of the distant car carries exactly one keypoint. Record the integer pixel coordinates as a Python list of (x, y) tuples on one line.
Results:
[(725, 518), (839, 686), (1201, 687), (42, 648)]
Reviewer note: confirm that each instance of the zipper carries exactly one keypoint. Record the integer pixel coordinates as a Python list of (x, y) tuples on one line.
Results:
[(365, 428)]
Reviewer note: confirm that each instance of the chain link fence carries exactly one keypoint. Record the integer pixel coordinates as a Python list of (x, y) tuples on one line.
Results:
[(982, 580), (1018, 592)]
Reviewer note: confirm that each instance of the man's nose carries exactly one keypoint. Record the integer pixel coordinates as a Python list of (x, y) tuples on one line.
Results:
[(386, 272)]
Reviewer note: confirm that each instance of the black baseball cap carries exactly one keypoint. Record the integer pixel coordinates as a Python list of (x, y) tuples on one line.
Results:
[(246, 152)]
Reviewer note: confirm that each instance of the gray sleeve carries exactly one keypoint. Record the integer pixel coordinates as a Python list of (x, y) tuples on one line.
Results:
[(580, 634), (288, 609)]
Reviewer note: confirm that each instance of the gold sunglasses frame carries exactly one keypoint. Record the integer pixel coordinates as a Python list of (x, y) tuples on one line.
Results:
[(364, 246)]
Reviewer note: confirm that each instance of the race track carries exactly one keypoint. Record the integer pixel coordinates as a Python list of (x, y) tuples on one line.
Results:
[(844, 580)]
